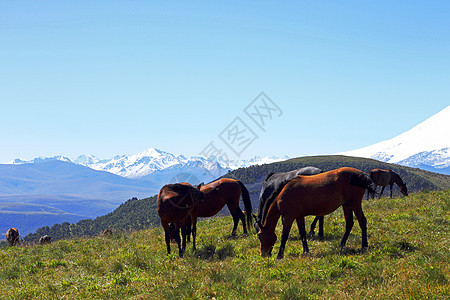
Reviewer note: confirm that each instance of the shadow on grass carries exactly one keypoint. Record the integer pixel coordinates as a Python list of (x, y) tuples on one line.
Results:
[(210, 252)]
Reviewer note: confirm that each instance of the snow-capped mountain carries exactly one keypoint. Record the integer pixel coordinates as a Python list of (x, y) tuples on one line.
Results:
[(426, 146), (160, 166)]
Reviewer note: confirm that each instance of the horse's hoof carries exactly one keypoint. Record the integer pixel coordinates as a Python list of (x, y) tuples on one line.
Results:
[(279, 257), (312, 233)]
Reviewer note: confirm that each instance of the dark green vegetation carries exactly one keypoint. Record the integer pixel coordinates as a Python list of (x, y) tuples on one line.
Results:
[(408, 258), (132, 215), (138, 214)]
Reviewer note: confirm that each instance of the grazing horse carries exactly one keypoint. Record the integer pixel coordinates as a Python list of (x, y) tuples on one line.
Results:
[(46, 239), (174, 204), (317, 195), (387, 177), (272, 186), (107, 231), (217, 194), (12, 236)]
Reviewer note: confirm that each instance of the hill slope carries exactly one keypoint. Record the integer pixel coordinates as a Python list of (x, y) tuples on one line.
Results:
[(408, 258)]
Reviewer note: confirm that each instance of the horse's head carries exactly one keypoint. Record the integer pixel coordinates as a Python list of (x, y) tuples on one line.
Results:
[(267, 240), (404, 190), (196, 195)]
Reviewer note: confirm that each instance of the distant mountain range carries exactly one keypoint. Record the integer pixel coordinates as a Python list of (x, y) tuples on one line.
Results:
[(44, 191), (158, 166), (425, 146)]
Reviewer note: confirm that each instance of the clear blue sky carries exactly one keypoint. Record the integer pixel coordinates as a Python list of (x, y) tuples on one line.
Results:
[(117, 77)]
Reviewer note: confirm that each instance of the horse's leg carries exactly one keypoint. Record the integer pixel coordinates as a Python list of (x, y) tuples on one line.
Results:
[(301, 228), (183, 236), (313, 226), (348, 214), (188, 231), (194, 231), (391, 186), (287, 224), (244, 222), (363, 225), (166, 235), (320, 226), (382, 190), (178, 240), (237, 215)]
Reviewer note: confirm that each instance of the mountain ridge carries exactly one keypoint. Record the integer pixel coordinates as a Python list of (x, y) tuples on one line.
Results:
[(426, 145)]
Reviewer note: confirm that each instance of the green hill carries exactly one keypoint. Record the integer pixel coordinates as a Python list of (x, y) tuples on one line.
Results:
[(408, 258), (138, 214)]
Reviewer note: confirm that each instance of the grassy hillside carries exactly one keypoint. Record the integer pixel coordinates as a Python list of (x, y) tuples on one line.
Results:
[(138, 214), (408, 258)]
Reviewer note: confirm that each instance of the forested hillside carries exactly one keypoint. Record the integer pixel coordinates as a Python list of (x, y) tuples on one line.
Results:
[(132, 215)]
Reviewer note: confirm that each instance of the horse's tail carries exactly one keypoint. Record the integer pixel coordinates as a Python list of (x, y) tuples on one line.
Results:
[(363, 180), (247, 203)]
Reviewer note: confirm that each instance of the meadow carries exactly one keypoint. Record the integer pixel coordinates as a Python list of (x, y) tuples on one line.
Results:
[(408, 258)]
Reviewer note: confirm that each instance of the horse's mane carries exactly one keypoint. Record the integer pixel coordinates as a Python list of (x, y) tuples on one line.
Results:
[(179, 188), (397, 177), (268, 176)]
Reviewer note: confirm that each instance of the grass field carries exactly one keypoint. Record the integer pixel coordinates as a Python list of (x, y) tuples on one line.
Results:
[(408, 258)]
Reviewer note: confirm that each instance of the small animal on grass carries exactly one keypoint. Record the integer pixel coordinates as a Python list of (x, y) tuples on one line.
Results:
[(387, 177), (272, 186), (107, 231), (319, 194), (12, 236), (46, 239), (174, 204)]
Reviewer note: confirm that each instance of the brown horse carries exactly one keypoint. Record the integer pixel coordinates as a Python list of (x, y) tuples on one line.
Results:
[(387, 177), (12, 236), (217, 194), (174, 204), (317, 195)]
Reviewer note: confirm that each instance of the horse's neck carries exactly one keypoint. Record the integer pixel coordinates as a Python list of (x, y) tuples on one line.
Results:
[(272, 217), (396, 179)]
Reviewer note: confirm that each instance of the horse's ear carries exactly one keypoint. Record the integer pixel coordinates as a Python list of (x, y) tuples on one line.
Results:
[(200, 185)]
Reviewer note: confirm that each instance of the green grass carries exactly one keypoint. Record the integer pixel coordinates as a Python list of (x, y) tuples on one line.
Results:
[(408, 258)]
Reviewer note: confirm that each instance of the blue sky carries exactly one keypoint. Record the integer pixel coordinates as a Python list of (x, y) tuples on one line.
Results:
[(117, 77)]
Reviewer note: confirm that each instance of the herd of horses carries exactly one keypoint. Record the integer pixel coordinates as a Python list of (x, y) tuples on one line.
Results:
[(290, 195)]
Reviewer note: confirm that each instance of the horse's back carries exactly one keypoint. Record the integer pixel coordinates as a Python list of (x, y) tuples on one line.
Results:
[(274, 183), (322, 193), (381, 177), (217, 194)]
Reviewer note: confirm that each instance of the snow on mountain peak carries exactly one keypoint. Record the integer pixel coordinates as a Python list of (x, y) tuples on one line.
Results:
[(431, 137)]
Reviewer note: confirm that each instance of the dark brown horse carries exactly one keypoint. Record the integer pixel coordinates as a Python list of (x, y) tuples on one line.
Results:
[(174, 204), (317, 195), (219, 193), (272, 186), (12, 236), (387, 177)]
